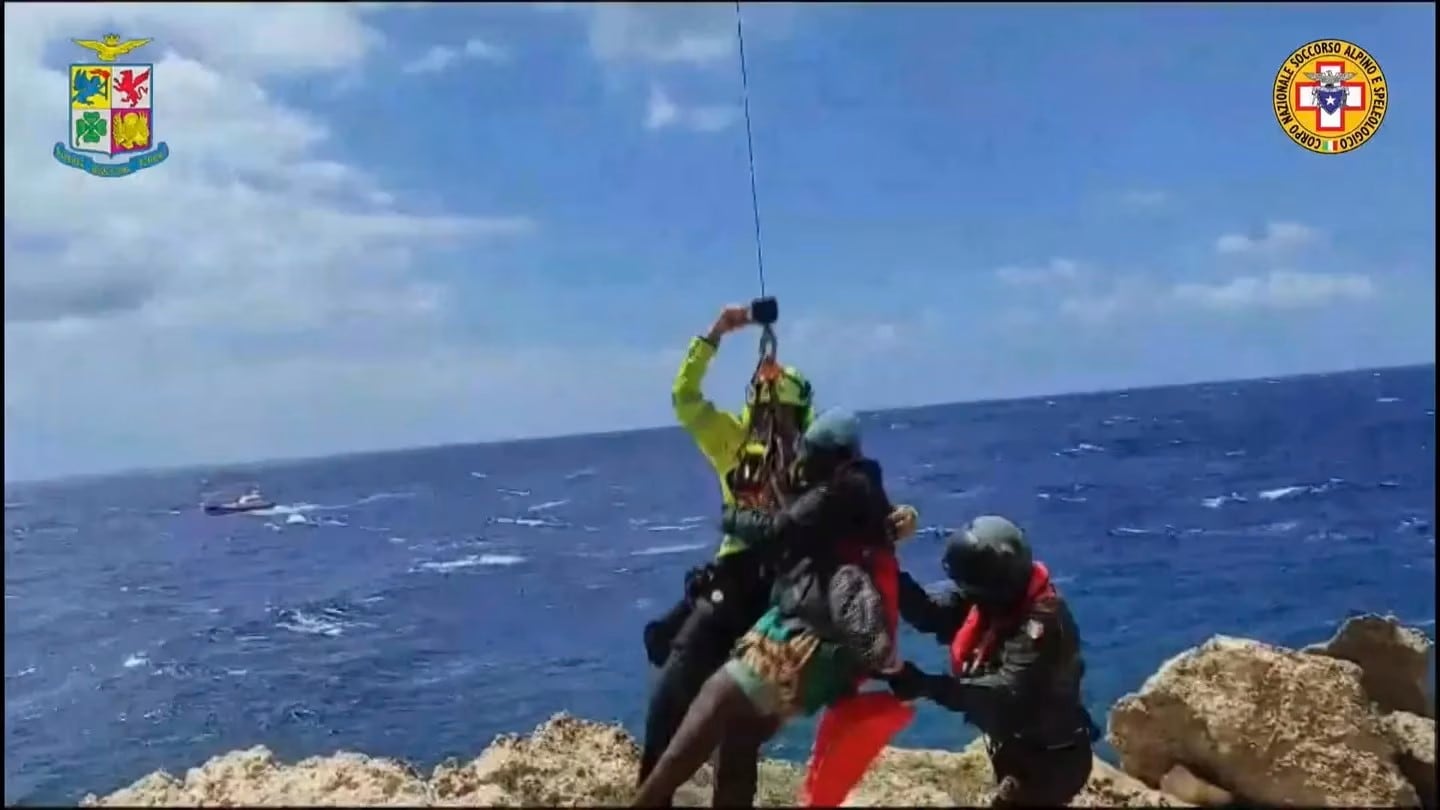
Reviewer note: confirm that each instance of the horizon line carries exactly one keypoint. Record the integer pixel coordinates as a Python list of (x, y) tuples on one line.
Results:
[(382, 451)]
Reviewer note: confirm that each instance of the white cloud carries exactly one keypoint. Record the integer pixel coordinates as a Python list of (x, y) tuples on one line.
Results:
[(1054, 271), (698, 34), (663, 112), (1278, 289), (440, 57), (1279, 238), (249, 278)]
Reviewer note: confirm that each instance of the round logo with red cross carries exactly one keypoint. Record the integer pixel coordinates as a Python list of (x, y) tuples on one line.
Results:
[(1330, 96)]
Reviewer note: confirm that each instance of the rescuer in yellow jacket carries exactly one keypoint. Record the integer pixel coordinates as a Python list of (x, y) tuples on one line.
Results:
[(726, 596)]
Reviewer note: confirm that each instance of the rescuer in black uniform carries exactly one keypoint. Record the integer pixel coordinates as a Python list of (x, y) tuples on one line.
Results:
[(1015, 663)]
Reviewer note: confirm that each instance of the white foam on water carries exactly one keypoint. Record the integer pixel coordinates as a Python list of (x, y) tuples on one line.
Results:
[(678, 548), (581, 473), (1080, 449), (22, 673), (530, 522), (1387, 400), (298, 520), (1220, 500), (1131, 531), (663, 527), (305, 507), (514, 493), (694, 519), (136, 660), (471, 561), (298, 621), (541, 507), (1280, 493), (480, 475), (399, 541)]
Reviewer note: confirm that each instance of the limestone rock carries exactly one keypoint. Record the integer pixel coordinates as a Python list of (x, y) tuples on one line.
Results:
[(1414, 739), (1395, 660), (1183, 784), (1272, 726)]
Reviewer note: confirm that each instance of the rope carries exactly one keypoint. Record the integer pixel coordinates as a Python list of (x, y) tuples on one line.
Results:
[(776, 456), (750, 147)]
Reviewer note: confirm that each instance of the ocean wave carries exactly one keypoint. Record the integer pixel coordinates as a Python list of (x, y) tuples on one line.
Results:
[(587, 472), (1220, 500), (1414, 524), (470, 561), (1065, 494), (673, 527), (308, 624), (305, 507), (1131, 531), (514, 493), (1083, 448), (480, 475), (531, 522), (1296, 490), (678, 548), (547, 505), (134, 660), (1387, 400)]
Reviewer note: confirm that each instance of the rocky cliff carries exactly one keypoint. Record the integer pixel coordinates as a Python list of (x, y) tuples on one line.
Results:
[(1349, 722)]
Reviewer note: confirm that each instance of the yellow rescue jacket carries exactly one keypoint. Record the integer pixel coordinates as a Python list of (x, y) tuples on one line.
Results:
[(719, 434)]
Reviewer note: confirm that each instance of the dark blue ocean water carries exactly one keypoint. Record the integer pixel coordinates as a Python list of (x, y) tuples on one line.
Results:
[(415, 604)]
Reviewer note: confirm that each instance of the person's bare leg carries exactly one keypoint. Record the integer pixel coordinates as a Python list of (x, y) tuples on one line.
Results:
[(719, 704), (738, 763)]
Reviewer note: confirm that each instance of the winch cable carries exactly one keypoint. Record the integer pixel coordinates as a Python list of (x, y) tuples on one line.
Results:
[(750, 146), (767, 371)]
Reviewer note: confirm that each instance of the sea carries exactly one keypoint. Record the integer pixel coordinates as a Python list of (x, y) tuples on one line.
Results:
[(415, 604)]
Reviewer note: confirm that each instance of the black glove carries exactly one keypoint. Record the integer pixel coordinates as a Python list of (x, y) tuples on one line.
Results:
[(699, 581), (910, 683), (729, 518)]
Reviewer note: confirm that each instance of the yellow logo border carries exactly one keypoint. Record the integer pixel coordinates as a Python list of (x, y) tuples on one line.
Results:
[(1376, 87)]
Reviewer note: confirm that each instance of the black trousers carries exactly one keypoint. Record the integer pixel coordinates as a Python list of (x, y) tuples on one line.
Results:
[(1028, 776), (702, 645)]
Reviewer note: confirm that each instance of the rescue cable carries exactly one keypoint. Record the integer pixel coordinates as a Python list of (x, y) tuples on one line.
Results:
[(750, 146), (764, 311)]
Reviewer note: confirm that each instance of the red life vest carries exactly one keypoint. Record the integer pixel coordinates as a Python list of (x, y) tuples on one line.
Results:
[(977, 637)]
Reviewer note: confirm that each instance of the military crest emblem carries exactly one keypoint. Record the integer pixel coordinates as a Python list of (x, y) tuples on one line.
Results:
[(111, 122)]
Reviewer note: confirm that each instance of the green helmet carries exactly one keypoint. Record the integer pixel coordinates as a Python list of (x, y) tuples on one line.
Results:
[(790, 389)]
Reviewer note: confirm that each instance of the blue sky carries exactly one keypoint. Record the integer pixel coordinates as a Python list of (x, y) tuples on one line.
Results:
[(384, 226)]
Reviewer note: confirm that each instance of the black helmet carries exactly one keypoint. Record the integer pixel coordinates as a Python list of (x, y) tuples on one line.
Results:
[(990, 561)]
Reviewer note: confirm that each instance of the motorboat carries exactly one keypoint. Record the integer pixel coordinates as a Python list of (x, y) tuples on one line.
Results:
[(249, 502)]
